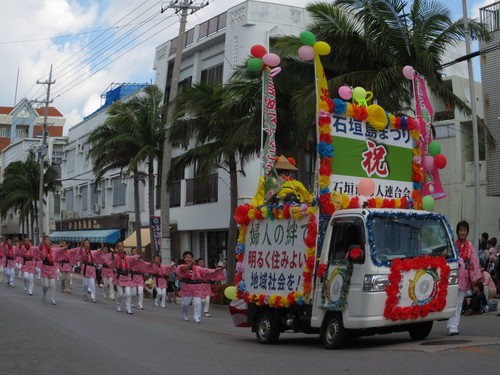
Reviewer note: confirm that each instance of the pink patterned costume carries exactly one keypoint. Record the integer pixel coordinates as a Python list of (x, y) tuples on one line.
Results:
[(28, 267), (49, 256), (192, 289), (123, 264), (158, 273)]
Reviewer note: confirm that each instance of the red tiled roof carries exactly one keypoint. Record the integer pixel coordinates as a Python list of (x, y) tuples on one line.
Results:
[(53, 112)]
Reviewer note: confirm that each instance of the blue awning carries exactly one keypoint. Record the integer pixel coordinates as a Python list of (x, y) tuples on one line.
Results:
[(96, 235)]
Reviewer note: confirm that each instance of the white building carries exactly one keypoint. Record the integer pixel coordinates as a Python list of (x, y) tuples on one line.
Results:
[(200, 210)]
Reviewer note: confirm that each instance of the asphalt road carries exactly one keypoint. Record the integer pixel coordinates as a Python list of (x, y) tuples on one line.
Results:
[(77, 337)]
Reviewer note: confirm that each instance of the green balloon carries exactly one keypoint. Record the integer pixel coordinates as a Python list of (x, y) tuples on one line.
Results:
[(428, 203), (255, 64), (307, 38), (434, 148)]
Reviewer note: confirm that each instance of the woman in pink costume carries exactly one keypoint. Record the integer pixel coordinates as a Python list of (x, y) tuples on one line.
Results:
[(28, 251), (49, 256), (123, 265), (158, 273), (9, 253), (107, 261), (192, 289), (137, 277), (468, 273), (66, 260)]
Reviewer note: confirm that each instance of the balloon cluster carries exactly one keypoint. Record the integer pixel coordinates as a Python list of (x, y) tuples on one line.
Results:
[(359, 95), (430, 162), (312, 47), (261, 60)]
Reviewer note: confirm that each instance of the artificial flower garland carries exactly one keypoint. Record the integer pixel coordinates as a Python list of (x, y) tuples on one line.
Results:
[(244, 215), (436, 302)]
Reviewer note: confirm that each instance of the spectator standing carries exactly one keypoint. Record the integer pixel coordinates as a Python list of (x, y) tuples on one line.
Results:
[(468, 272)]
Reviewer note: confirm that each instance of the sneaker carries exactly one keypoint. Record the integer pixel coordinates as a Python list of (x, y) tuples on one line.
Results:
[(118, 308), (196, 320), (85, 298), (129, 311), (141, 307), (30, 293), (185, 317), (94, 300), (163, 306), (208, 315), (53, 301), (453, 333), (156, 303)]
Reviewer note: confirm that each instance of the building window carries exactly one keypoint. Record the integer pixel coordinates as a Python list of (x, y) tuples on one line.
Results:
[(70, 160), (57, 204), (119, 191), (184, 84), (200, 190), (4, 133), (84, 191), (445, 131), (69, 200), (189, 37), (212, 75)]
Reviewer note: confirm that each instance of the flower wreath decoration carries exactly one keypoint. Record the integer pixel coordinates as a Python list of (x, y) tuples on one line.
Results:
[(424, 265), (344, 269), (244, 215)]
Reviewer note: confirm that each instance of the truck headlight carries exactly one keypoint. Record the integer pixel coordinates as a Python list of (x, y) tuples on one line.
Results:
[(375, 283), (453, 277)]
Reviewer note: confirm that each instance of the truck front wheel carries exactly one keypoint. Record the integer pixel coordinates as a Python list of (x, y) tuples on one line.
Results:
[(333, 334), (420, 331), (268, 328)]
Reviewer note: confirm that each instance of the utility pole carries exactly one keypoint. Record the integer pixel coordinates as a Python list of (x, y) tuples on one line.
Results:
[(181, 6), (42, 152), (475, 227)]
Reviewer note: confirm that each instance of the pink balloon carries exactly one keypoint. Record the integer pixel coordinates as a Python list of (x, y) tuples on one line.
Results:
[(408, 72), (345, 92), (366, 187), (306, 53), (428, 163), (271, 59)]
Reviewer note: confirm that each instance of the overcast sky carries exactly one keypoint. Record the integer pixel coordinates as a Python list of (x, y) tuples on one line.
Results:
[(93, 43)]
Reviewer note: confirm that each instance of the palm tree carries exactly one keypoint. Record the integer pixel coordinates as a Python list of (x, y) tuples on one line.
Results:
[(131, 135), (372, 40), (221, 128), (20, 188)]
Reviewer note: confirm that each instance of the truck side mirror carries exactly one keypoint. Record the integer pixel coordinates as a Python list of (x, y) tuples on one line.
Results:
[(355, 254)]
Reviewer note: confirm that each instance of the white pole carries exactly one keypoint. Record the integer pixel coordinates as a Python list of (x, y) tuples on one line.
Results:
[(475, 225)]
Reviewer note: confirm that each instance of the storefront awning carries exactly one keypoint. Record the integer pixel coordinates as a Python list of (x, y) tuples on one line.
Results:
[(131, 240), (109, 236)]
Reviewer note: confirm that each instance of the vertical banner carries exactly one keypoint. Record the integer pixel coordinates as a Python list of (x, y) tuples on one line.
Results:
[(432, 183), (155, 223), (270, 123)]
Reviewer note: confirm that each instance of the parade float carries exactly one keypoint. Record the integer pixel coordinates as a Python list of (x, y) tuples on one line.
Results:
[(367, 255)]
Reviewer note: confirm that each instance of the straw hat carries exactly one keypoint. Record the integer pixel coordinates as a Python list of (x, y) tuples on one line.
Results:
[(283, 163)]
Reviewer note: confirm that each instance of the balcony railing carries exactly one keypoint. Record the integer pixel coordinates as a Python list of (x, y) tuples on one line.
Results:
[(490, 16), (200, 191)]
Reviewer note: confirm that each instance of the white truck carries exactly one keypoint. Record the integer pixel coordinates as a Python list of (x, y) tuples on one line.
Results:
[(377, 271)]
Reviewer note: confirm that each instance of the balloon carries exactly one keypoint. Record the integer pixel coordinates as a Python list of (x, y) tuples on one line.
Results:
[(255, 64), (434, 148), (428, 203), (359, 93), (230, 292), (258, 51), (366, 187), (345, 92), (306, 53), (428, 163), (440, 161), (275, 71), (322, 48), (271, 59), (408, 72), (307, 38)]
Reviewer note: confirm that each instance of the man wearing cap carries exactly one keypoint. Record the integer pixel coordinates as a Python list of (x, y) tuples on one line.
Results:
[(287, 188)]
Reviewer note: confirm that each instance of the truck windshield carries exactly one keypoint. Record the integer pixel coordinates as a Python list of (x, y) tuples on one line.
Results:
[(408, 236)]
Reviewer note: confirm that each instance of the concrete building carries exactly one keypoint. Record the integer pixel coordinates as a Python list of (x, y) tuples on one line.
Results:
[(21, 130), (200, 212), (490, 75), (102, 211)]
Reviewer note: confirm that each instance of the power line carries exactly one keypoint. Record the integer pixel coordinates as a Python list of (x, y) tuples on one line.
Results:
[(60, 92)]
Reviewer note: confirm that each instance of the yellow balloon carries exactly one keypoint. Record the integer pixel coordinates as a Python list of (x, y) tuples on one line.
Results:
[(322, 48), (230, 292)]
